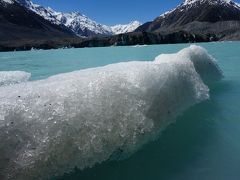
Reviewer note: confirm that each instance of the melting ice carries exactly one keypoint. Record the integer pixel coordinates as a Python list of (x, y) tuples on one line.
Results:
[(13, 77), (78, 119)]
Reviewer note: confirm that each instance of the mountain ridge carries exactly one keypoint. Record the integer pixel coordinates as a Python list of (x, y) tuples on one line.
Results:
[(191, 21), (190, 11), (18, 23), (77, 22)]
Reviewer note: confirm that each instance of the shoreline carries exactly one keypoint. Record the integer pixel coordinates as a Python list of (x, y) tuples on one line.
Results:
[(135, 38)]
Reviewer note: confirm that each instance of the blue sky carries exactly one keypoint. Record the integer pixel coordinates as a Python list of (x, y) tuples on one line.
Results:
[(111, 12)]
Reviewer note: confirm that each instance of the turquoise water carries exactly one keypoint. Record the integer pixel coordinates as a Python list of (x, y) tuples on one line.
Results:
[(202, 144), (44, 63)]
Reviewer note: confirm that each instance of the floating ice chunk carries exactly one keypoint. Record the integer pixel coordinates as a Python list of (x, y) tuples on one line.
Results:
[(204, 63), (78, 119), (13, 77)]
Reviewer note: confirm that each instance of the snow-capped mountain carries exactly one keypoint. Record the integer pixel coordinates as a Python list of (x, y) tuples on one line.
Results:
[(120, 29), (80, 24), (191, 3), (46, 13), (77, 22), (194, 11)]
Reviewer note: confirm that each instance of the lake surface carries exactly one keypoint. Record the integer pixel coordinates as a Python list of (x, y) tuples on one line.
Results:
[(202, 144)]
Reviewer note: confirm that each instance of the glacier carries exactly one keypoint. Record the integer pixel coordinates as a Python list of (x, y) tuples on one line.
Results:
[(48, 127)]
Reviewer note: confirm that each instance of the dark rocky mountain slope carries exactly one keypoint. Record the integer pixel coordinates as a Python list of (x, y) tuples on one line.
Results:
[(218, 17), (19, 26)]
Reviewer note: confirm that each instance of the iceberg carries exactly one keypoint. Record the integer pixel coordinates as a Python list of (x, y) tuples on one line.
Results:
[(48, 127)]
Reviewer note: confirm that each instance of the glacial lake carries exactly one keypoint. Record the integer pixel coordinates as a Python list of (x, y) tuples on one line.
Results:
[(202, 144)]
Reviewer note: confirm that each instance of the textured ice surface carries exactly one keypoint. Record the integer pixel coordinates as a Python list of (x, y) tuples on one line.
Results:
[(13, 77), (78, 119), (205, 65)]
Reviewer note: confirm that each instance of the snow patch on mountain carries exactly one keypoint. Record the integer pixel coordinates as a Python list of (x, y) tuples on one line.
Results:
[(7, 1), (46, 13), (190, 3), (187, 2)]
